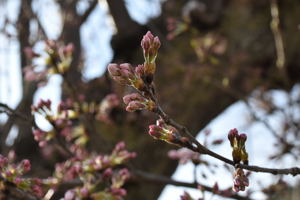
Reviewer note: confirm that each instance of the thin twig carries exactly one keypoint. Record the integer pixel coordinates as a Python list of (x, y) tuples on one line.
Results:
[(88, 11), (280, 62), (203, 150), (11, 111)]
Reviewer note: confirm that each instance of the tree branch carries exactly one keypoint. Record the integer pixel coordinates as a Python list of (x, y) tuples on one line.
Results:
[(203, 150), (158, 179), (12, 190), (11, 112), (87, 13)]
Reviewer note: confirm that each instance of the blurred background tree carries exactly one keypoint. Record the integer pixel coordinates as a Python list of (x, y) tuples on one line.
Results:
[(214, 52)]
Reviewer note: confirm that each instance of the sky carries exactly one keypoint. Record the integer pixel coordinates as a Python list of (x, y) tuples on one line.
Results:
[(96, 35)]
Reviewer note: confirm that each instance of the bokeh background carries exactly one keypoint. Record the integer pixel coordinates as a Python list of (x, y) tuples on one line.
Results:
[(223, 64)]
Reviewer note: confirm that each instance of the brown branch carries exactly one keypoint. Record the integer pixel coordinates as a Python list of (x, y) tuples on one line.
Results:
[(88, 12), (203, 150), (141, 176), (280, 62), (11, 112), (158, 179)]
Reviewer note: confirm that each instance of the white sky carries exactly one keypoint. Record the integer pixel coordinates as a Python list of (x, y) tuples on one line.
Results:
[(96, 35)]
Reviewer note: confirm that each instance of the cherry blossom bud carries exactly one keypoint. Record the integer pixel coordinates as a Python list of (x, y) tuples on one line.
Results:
[(154, 131), (107, 173), (118, 191), (18, 180), (232, 135), (26, 165), (37, 190), (150, 45), (69, 195), (164, 132), (133, 97), (237, 142), (135, 105), (124, 73), (139, 70), (240, 180), (135, 102), (243, 138), (113, 69)]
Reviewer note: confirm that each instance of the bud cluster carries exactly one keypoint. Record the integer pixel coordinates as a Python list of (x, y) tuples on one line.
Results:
[(59, 57), (237, 142), (126, 74), (95, 171), (13, 172), (150, 45), (58, 61), (62, 122), (240, 180), (142, 75), (136, 101)]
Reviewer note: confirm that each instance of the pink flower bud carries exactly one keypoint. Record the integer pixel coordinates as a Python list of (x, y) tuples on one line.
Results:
[(133, 97), (243, 137), (126, 66), (37, 190), (107, 173), (150, 45), (135, 105), (232, 133), (156, 43), (118, 191), (124, 173), (26, 165), (113, 69), (126, 74), (17, 181), (120, 146), (155, 131), (240, 181), (139, 70), (69, 195)]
